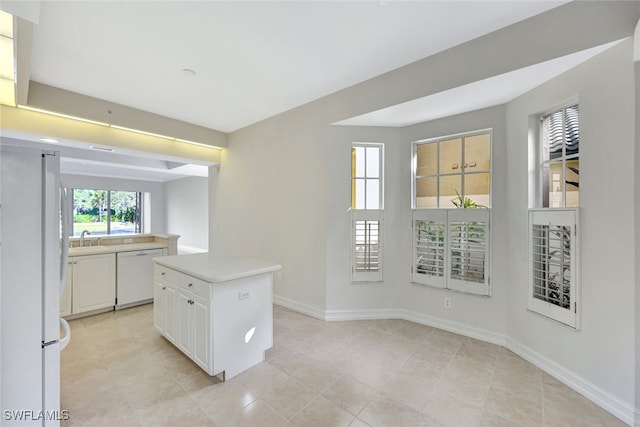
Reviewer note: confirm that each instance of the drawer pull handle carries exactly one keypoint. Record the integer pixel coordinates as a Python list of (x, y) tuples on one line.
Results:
[(190, 284), (163, 273), (164, 288)]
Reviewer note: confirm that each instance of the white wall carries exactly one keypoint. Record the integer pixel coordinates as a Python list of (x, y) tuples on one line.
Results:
[(271, 202), (342, 294), (187, 207), (155, 213), (602, 351)]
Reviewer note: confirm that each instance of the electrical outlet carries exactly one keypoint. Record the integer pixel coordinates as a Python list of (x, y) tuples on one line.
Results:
[(244, 295), (447, 302), (128, 240), (278, 276)]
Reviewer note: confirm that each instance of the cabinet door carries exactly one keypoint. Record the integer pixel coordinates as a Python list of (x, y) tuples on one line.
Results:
[(201, 333), (184, 321), (159, 314), (170, 313), (65, 299), (94, 282)]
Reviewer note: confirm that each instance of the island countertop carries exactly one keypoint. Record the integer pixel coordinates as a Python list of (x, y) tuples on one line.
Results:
[(216, 268)]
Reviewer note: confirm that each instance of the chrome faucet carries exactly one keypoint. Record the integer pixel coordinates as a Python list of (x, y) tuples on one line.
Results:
[(84, 233)]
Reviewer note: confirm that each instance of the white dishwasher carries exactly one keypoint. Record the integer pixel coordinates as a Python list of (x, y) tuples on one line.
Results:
[(135, 277)]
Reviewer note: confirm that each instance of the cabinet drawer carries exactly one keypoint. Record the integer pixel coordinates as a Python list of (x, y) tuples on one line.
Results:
[(190, 283)]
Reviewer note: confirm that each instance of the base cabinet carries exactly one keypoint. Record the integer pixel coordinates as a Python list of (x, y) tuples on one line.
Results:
[(224, 327), (184, 318), (91, 284)]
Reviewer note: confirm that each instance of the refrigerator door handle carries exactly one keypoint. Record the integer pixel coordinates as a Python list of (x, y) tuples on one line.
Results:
[(67, 334), (64, 212)]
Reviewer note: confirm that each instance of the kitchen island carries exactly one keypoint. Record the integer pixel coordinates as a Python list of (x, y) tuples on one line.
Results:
[(216, 309)]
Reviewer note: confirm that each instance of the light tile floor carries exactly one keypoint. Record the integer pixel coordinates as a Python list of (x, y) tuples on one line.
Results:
[(118, 370)]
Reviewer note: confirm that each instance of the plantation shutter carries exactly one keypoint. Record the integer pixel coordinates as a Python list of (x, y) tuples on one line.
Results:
[(429, 251), (366, 246), (468, 250), (451, 249), (553, 269)]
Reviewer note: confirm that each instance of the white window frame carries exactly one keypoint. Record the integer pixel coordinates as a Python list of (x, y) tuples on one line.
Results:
[(371, 246), (435, 253), (569, 262)]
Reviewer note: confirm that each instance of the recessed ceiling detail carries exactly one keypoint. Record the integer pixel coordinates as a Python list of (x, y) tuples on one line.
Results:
[(486, 93)]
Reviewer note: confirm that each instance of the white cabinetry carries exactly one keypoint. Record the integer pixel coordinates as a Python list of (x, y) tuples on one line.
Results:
[(164, 301), (182, 313), (135, 276), (223, 323), (91, 283)]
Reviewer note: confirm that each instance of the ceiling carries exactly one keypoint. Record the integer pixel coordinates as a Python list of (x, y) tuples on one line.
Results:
[(252, 60)]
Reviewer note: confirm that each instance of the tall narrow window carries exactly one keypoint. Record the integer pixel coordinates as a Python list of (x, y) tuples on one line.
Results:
[(106, 211), (553, 225), (366, 209), (560, 158), (451, 196)]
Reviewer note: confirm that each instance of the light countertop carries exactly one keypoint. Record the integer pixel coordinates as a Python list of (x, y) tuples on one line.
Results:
[(216, 268), (108, 249)]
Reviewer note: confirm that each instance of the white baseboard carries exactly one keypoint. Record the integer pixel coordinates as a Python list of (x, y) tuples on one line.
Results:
[(309, 310), (617, 407), (612, 404), (455, 327), (337, 315)]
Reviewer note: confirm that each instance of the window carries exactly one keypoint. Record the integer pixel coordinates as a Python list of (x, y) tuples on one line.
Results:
[(452, 192), (553, 264), (106, 211), (451, 249), (366, 211), (553, 226), (450, 169), (560, 158)]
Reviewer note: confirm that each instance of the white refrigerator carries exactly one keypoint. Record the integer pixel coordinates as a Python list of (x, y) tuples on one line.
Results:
[(32, 256)]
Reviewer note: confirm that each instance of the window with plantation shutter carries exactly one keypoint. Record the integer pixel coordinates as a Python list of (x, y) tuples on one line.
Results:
[(366, 212), (553, 261), (451, 249), (553, 226)]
